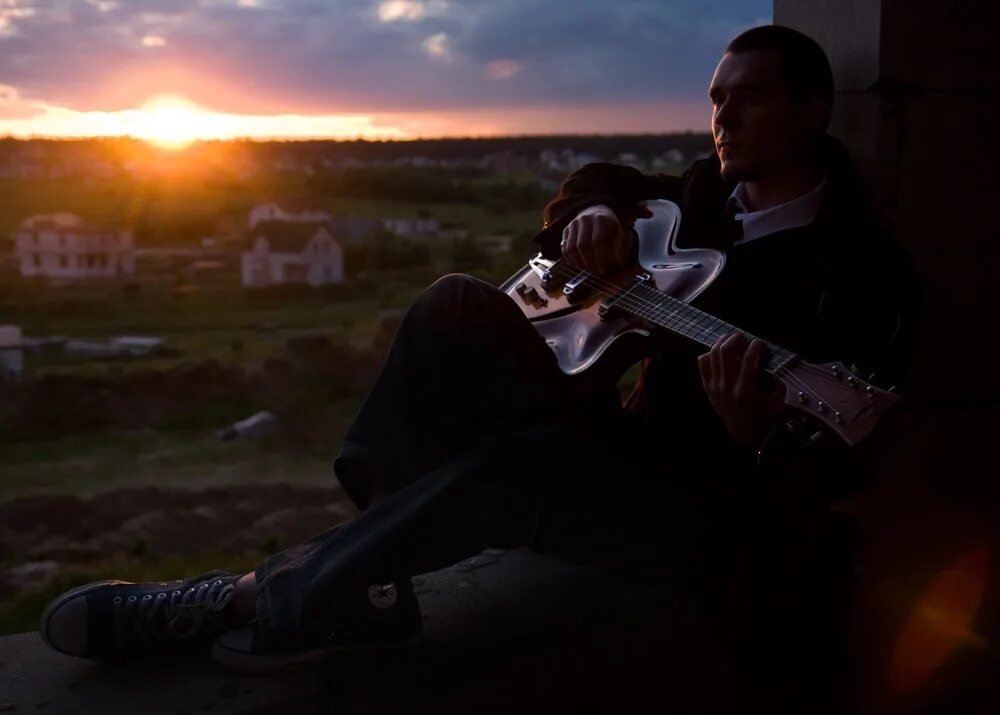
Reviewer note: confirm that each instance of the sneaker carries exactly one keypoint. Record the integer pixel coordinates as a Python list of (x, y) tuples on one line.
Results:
[(112, 620), (388, 618)]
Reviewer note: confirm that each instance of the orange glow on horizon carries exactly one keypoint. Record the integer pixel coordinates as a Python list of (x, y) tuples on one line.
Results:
[(171, 122)]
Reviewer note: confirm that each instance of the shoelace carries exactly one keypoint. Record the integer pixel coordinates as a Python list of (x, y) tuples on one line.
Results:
[(151, 620)]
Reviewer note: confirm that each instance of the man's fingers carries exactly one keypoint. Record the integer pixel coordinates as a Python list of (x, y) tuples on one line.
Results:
[(730, 354), (607, 243), (750, 367), (585, 246), (596, 243), (753, 357), (715, 361), (572, 248), (569, 238), (705, 369)]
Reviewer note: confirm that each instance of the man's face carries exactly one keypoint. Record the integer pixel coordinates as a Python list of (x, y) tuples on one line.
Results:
[(757, 126)]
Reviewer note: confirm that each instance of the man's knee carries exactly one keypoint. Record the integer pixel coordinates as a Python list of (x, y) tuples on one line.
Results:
[(459, 300)]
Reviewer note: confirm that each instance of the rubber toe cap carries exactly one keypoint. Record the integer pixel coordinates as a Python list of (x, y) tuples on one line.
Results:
[(64, 627)]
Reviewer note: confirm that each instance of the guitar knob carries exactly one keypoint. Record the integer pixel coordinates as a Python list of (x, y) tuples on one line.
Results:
[(836, 370), (852, 381), (822, 407), (870, 390), (838, 418), (802, 398)]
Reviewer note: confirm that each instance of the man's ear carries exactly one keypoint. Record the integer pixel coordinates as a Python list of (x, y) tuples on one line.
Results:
[(816, 112)]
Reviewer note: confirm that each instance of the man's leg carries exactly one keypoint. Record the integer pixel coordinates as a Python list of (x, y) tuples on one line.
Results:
[(467, 407), (464, 363)]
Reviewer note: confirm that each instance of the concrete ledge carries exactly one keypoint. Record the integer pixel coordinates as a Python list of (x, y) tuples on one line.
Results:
[(503, 630)]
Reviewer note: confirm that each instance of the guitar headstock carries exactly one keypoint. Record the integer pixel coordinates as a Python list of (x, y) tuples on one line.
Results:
[(848, 405)]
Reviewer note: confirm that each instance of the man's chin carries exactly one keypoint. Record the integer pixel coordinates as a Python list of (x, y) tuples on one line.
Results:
[(734, 171)]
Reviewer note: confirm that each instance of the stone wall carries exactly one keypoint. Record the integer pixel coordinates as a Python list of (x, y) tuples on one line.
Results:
[(917, 106)]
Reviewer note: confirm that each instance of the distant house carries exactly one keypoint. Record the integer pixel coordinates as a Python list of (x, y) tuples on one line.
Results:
[(289, 211), (292, 252), (412, 227), (669, 159), (64, 246)]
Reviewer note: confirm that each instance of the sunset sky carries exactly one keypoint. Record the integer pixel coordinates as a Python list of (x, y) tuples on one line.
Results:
[(181, 69)]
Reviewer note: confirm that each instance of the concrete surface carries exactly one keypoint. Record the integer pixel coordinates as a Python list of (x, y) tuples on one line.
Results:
[(503, 630)]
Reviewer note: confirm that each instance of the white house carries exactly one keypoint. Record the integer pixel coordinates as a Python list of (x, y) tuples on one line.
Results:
[(292, 252), (63, 245), (291, 212)]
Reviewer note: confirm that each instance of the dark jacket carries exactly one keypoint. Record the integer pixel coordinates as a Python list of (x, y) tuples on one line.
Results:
[(838, 289)]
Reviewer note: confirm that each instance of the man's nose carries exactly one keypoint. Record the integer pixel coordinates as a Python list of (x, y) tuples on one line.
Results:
[(726, 116)]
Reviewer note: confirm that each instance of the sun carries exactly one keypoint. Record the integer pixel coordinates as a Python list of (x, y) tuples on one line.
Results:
[(171, 122)]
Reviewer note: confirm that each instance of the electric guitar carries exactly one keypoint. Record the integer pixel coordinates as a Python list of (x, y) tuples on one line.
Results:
[(598, 325)]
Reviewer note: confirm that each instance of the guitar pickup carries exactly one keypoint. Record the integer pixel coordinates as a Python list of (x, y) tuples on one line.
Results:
[(530, 294)]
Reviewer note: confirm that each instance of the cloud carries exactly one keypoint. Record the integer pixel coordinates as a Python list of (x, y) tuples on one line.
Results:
[(332, 56), (503, 69), (437, 47), (153, 41), (10, 12), (395, 10), (13, 106)]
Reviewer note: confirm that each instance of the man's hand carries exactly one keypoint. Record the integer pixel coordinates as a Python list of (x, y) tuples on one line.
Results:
[(597, 242), (730, 372)]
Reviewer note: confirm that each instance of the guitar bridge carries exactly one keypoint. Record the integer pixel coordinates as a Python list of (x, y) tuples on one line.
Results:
[(572, 287)]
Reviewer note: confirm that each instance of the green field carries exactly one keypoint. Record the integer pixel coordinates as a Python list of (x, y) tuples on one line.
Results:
[(172, 212)]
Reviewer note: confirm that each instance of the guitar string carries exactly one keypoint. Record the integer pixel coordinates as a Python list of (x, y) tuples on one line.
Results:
[(673, 322), (636, 301), (657, 309), (627, 296)]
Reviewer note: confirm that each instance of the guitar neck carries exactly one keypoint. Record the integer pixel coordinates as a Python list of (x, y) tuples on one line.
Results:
[(653, 306)]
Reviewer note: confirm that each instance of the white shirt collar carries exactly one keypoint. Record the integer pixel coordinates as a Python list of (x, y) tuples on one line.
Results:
[(800, 211)]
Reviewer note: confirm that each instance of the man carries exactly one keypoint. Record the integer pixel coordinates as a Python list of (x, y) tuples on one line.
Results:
[(472, 436)]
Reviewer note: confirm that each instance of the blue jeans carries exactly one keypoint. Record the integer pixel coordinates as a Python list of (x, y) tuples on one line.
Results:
[(478, 439)]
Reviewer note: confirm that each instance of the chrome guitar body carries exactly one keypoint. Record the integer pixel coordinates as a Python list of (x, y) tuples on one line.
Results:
[(574, 327)]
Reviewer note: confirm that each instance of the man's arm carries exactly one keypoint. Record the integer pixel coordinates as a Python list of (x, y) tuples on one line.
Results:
[(618, 187)]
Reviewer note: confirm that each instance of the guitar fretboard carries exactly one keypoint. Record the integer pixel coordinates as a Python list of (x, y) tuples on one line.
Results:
[(646, 302)]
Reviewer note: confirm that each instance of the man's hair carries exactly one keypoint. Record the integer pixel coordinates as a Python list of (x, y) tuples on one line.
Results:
[(804, 65)]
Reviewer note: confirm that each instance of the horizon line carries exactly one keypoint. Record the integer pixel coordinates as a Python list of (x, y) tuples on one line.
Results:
[(373, 140)]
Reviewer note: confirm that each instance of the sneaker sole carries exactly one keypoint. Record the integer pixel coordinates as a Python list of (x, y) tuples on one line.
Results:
[(244, 663), (59, 601)]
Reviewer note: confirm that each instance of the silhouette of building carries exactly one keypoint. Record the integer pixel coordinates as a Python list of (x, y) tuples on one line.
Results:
[(64, 246), (292, 252)]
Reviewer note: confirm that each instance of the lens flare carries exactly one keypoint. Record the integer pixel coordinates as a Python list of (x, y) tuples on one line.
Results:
[(941, 621)]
